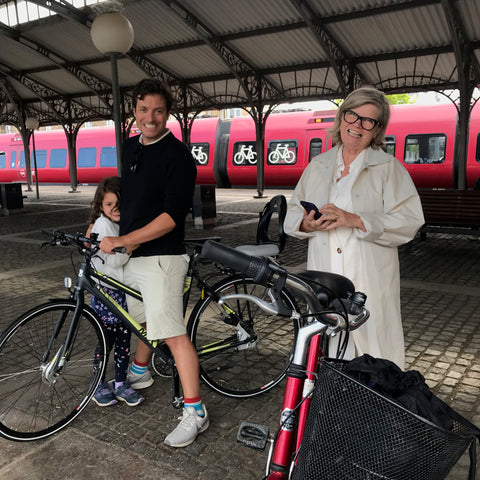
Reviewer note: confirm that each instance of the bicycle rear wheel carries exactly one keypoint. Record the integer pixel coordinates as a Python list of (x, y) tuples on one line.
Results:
[(250, 368), (36, 403)]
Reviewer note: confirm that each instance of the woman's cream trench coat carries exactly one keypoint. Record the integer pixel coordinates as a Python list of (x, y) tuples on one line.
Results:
[(387, 201)]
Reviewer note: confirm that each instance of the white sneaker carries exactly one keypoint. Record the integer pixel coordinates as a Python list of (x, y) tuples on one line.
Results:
[(189, 427), (139, 380)]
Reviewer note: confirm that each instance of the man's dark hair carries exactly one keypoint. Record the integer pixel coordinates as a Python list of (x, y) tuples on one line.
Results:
[(152, 86)]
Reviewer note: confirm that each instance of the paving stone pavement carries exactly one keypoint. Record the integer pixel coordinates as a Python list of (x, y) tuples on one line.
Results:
[(440, 291)]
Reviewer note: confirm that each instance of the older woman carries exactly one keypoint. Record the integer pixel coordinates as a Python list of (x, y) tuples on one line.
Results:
[(369, 206)]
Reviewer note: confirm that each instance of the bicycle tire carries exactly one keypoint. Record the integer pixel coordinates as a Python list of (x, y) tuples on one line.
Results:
[(32, 408), (234, 372)]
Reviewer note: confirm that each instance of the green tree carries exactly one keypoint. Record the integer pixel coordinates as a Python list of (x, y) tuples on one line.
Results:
[(396, 99), (401, 98)]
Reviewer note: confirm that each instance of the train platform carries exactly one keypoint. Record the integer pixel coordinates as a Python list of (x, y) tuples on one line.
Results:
[(440, 291)]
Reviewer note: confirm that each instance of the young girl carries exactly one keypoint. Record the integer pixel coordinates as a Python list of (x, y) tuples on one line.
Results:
[(105, 215)]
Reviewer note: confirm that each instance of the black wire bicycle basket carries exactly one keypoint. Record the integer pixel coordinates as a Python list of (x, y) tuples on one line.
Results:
[(355, 433)]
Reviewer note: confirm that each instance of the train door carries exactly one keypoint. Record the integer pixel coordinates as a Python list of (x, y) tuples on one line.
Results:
[(10, 173), (22, 166), (14, 168), (19, 163), (17, 173), (39, 156), (316, 142), (473, 158)]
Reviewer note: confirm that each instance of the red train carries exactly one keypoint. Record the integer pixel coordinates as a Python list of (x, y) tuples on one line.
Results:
[(422, 137)]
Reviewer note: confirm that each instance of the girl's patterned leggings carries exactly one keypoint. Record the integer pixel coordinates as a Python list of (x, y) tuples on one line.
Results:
[(117, 336)]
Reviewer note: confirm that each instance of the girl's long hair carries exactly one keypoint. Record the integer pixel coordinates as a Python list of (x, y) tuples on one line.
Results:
[(107, 185)]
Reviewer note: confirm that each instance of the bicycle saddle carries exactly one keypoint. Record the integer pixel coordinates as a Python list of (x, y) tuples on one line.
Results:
[(328, 286), (263, 250)]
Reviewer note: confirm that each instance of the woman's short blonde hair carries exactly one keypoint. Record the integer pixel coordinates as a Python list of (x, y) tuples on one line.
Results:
[(357, 98)]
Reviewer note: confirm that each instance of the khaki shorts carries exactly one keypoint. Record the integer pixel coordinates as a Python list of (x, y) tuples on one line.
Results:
[(160, 279)]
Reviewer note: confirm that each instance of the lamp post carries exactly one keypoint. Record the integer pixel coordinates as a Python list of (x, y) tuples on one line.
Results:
[(32, 124), (112, 34)]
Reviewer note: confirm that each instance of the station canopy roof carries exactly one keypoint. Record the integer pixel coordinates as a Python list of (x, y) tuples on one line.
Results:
[(229, 53)]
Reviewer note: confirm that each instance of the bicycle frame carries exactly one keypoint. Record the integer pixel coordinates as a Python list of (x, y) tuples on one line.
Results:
[(85, 284), (297, 397)]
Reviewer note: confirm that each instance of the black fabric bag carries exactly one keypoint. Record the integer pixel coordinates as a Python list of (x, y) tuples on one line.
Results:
[(378, 422)]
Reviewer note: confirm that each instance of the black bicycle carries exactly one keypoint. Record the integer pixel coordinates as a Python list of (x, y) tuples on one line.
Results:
[(49, 373)]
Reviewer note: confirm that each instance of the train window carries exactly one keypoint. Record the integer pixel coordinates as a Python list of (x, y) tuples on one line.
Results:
[(3, 158), (13, 159), (244, 153), (58, 158), (315, 148), (390, 144), (87, 157), (282, 152), (108, 157), (425, 148), (200, 152), (40, 157)]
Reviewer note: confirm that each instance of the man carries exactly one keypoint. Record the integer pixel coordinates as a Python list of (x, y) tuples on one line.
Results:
[(158, 180)]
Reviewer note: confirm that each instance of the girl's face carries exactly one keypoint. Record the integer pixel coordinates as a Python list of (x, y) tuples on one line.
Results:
[(110, 207)]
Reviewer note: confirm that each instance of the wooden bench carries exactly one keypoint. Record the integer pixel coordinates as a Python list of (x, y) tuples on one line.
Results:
[(450, 211)]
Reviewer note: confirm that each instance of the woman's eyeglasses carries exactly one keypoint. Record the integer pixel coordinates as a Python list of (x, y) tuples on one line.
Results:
[(135, 163), (367, 123)]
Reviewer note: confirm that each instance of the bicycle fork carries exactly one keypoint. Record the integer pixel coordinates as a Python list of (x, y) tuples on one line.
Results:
[(51, 368)]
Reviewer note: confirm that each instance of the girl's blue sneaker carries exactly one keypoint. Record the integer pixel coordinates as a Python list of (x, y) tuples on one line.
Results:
[(127, 394), (104, 396)]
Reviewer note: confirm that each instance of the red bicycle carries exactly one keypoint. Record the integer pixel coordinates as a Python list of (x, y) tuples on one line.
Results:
[(333, 308)]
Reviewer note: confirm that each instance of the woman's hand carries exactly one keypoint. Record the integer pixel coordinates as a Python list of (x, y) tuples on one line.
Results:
[(309, 224), (332, 217)]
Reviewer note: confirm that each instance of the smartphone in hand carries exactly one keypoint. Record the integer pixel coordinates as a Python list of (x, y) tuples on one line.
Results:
[(309, 206)]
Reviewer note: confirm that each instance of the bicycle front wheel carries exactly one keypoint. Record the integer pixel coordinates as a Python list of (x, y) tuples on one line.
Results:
[(243, 352), (36, 398)]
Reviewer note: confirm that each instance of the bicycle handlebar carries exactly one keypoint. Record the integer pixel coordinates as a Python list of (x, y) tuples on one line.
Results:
[(256, 267), (77, 239)]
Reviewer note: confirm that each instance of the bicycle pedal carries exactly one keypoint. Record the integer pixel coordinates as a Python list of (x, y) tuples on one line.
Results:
[(177, 402), (253, 435)]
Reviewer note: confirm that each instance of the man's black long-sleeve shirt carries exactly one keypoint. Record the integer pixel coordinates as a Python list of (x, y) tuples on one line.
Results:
[(164, 181)]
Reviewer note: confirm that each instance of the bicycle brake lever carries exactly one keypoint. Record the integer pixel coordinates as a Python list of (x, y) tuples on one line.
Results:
[(98, 256), (359, 320), (274, 308)]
